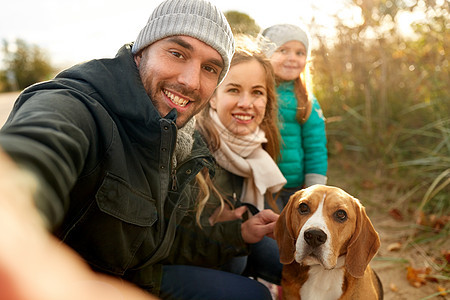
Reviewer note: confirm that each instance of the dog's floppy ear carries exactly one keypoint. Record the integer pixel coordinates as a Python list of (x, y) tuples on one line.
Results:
[(284, 234), (363, 245)]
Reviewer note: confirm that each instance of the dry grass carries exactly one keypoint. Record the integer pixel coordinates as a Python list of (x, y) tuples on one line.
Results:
[(394, 212)]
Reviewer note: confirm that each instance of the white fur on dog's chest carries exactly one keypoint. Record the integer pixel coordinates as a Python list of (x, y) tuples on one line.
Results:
[(323, 284)]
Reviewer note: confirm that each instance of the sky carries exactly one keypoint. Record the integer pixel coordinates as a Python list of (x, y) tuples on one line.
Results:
[(75, 31)]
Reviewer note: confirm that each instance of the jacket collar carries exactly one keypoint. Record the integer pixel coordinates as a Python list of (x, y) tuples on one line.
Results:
[(119, 85)]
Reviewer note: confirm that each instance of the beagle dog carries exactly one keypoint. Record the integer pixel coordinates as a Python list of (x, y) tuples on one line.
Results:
[(326, 242)]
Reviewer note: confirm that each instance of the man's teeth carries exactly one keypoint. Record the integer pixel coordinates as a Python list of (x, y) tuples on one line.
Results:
[(175, 99), (243, 118)]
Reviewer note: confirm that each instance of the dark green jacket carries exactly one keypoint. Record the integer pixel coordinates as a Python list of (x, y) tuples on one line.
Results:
[(103, 155), (220, 235)]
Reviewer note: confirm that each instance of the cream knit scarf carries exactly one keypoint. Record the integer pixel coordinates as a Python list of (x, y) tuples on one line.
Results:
[(185, 141), (244, 156)]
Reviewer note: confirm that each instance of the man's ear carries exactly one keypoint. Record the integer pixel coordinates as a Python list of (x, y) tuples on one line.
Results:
[(137, 58)]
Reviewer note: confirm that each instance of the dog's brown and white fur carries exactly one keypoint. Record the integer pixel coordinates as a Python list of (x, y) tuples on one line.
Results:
[(326, 242)]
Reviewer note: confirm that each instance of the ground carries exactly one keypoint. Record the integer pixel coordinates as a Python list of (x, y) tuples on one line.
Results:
[(396, 231), (6, 103), (393, 259)]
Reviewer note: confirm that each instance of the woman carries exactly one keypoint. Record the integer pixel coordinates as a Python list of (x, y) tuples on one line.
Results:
[(240, 127)]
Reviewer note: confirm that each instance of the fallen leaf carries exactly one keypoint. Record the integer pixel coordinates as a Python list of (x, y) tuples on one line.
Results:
[(433, 221), (394, 246), (367, 184), (446, 254), (417, 277), (338, 146), (393, 287), (421, 219), (432, 278), (439, 223), (442, 290), (396, 214)]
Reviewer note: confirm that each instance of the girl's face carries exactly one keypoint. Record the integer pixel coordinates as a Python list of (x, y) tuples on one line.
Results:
[(289, 60), (240, 100)]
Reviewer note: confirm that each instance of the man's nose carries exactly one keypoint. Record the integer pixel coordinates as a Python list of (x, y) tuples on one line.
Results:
[(190, 76)]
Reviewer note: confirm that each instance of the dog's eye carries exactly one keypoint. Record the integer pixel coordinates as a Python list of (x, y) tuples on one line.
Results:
[(303, 209), (340, 215)]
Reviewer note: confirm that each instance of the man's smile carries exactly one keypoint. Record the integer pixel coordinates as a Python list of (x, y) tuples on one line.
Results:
[(176, 99)]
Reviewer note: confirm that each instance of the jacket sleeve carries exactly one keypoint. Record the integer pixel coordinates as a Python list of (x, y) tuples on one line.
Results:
[(315, 146), (47, 134)]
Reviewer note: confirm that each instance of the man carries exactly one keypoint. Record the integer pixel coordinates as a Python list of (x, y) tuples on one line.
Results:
[(110, 145)]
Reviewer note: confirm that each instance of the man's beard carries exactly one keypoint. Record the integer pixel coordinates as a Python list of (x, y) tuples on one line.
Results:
[(156, 93)]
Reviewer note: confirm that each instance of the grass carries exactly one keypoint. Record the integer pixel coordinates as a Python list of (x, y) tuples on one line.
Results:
[(406, 172)]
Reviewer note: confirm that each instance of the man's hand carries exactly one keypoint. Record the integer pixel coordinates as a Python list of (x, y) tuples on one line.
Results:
[(34, 265), (258, 226)]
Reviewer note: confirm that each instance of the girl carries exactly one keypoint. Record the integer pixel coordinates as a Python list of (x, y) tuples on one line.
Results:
[(303, 158)]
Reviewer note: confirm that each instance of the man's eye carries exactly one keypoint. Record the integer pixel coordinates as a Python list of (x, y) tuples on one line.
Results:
[(176, 54), (210, 69)]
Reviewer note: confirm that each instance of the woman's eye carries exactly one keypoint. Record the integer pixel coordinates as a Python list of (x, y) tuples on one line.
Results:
[(340, 215), (303, 209)]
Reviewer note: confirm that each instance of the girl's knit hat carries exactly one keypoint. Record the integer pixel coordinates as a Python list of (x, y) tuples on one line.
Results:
[(195, 18), (275, 36)]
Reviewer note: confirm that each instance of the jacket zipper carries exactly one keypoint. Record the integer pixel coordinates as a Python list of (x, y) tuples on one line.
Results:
[(174, 171), (174, 179)]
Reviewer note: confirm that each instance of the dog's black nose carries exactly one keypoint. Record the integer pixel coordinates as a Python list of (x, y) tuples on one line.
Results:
[(315, 237)]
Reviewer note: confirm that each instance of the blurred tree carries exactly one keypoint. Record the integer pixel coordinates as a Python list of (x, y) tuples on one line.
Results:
[(385, 93), (242, 23), (373, 72), (24, 66)]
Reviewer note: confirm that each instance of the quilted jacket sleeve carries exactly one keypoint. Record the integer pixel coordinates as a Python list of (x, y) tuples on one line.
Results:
[(315, 146)]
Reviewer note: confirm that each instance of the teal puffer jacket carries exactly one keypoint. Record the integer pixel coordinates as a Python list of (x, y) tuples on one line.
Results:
[(303, 148)]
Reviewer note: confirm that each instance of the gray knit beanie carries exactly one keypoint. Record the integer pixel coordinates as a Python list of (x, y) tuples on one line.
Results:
[(275, 36), (195, 18)]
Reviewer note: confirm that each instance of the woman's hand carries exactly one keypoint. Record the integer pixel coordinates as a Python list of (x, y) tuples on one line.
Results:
[(258, 226)]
